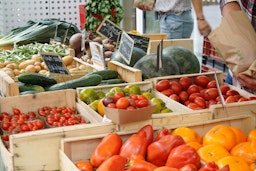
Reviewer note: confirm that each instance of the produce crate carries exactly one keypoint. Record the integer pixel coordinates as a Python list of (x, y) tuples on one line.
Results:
[(220, 77), (156, 36), (153, 44), (157, 118), (8, 86), (75, 149), (40, 147)]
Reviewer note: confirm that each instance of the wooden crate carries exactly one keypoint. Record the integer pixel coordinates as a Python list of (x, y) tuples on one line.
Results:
[(144, 86), (8, 87), (187, 43), (40, 147), (75, 149), (220, 78), (156, 36), (126, 73)]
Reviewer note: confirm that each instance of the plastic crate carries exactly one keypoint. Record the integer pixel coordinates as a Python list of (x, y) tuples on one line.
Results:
[(210, 51), (16, 13)]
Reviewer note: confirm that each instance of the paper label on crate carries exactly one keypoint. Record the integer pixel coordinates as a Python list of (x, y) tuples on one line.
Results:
[(54, 63), (98, 58), (109, 30), (126, 47)]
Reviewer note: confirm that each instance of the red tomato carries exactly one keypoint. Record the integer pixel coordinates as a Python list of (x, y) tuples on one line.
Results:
[(252, 98), (118, 95), (122, 103), (158, 151), (182, 155), (185, 82), (115, 162), (138, 165), (130, 108), (162, 85), (193, 89), (224, 88), (193, 96), (5, 125), (135, 144), (84, 165), (40, 124), (142, 103), (175, 97), (209, 166), (237, 97), (232, 92), (176, 87), (193, 106), (183, 96), (189, 167), (230, 99), (166, 168), (202, 80), (211, 94), (16, 111), (200, 101), (224, 168), (146, 132), (211, 84), (243, 99), (109, 146), (168, 92), (161, 133), (111, 105), (5, 137)]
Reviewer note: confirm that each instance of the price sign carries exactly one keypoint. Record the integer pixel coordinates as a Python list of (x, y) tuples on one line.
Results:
[(54, 63), (126, 47), (98, 58), (141, 42), (109, 30)]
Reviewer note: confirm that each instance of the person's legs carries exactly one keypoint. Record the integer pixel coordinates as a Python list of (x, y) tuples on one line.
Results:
[(177, 26)]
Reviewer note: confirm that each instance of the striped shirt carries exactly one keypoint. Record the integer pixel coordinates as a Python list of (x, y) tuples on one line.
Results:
[(248, 6), (173, 6)]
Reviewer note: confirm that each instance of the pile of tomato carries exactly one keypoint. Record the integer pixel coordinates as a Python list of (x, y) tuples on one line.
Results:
[(199, 92), (60, 116), (120, 101), (221, 148)]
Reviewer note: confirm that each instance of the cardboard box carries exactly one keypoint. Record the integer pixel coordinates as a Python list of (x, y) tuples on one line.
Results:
[(122, 116), (38, 150), (75, 149)]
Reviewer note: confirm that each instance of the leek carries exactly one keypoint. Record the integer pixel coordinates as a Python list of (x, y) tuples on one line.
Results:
[(41, 31)]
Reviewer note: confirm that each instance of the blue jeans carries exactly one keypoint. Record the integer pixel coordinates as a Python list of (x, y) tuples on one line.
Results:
[(177, 26)]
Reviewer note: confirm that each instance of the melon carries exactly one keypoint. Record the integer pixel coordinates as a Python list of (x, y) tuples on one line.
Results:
[(137, 53), (186, 60)]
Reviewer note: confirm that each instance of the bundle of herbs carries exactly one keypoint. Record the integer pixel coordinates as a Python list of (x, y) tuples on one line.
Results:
[(39, 31)]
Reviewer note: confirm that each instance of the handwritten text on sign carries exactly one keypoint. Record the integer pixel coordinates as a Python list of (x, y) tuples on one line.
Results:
[(126, 47), (54, 63), (109, 30)]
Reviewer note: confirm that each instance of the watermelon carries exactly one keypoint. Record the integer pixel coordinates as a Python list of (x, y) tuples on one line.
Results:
[(186, 60), (148, 66), (137, 53)]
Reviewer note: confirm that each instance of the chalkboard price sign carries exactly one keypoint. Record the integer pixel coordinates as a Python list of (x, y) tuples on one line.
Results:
[(126, 47), (141, 42), (54, 63), (109, 30)]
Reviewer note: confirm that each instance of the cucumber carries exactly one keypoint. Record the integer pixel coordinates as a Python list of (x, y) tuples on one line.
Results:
[(30, 87), (36, 79), (85, 81), (28, 92), (112, 81), (106, 74)]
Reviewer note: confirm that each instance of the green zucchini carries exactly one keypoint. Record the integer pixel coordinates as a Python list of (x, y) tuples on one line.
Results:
[(85, 81), (112, 81), (36, 79), (30, 87), (106, 74)]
